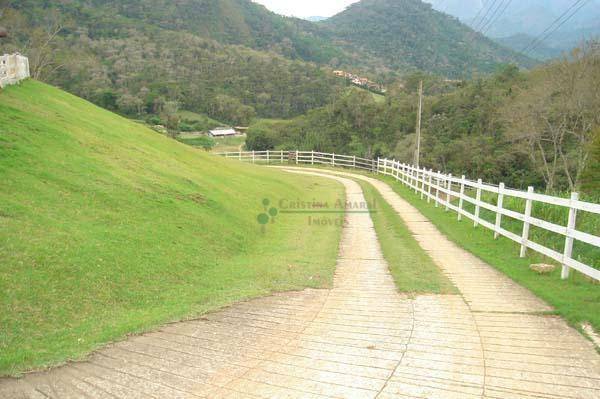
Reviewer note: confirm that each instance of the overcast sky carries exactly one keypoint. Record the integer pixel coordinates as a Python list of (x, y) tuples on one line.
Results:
[(306, 8)]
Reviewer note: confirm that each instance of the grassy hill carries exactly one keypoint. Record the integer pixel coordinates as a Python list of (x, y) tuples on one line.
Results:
[(108, 228)]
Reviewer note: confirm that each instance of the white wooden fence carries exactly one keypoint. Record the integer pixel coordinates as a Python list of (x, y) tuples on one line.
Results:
[(451, 192), (303, 157), (13, 69)]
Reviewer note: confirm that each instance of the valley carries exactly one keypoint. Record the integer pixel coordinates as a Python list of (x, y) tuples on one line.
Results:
[(134, 260)]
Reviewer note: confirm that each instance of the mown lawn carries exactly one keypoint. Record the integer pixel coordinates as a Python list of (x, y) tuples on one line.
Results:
[(223, 144), (108, 228), (231, 144), (412, 268)]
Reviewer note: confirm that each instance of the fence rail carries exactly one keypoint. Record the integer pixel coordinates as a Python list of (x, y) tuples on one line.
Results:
[(451, 192)]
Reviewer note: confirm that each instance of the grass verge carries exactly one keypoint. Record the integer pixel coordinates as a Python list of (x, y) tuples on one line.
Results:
[(108, 228), (412, 268), (576, 299)]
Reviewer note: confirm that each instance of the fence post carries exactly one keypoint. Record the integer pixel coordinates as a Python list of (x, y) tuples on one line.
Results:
[(477, 201), (423, 183), (568, 239), (282, 157), (296, 157), (402, 173), (416, 180), (378, 165), (312, 157), (354, 162), (525, 235), (499, 208), (333, 159), (437, 189), (461, 200), (448, 187), (267, 157), (430, 178)]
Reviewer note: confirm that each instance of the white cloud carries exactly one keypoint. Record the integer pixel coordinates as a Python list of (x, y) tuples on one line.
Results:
[(306, 8)]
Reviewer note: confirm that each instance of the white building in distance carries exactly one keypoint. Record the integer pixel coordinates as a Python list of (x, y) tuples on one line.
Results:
[(13, 69), (222, 132)]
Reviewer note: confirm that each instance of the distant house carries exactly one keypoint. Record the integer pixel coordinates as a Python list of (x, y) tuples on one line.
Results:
[(222, 132)]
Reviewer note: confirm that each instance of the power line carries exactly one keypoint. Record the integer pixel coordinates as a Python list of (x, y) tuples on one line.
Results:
[(493, 21), (564, 22), (561, 20), (477, 16), (478, 25), (495, 11), (551, 25)]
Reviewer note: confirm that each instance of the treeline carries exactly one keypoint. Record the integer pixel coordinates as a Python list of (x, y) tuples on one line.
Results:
[(136, 69), (521, 128)]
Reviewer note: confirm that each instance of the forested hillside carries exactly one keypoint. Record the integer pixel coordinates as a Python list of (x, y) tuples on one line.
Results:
[(522, 128), (231, 59), (137, 68), (409, 33)]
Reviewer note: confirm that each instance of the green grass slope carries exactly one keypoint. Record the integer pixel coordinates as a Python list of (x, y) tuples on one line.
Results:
[(108, 228)]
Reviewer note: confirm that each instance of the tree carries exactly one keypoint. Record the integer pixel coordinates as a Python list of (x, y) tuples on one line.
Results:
[(130, 105), (555, 116), (590, 178), (171, 118), (259, 139), (206, 142), (38, 42)]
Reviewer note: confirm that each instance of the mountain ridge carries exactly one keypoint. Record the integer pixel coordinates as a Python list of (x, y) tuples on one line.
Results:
[(529, 18), (411, 32)]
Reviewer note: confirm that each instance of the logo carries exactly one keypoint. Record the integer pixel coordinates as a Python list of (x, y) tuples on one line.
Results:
[(268, 216)]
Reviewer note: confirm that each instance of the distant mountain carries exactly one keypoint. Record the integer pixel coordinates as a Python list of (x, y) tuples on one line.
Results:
[(531, 17), (521, 40), (409, 33)]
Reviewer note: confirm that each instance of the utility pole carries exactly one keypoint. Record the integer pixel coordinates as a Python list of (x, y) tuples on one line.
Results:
[(418, 150)]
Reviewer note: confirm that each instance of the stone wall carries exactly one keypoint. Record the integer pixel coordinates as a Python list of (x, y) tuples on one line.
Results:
[(13, 69)]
